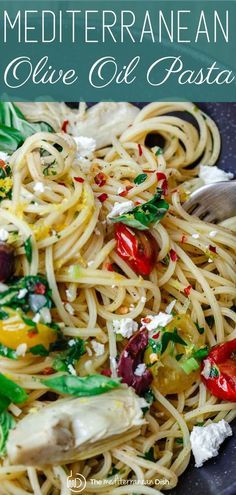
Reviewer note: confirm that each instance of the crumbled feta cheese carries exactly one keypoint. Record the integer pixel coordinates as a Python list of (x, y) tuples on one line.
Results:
[(125, 327), (206, 440), (22, 293), (143, 299), (97, 347), (71, 342), (195, 236), (170, 306), (152, 322), (69, 309), (120, 209), (210, 260), (213, 174), (21, 350), (140, 370), (90, 263), (69, 295), (45, 315), (213, 233), (36, 318), (85, 146), (4, 234), (71, 369), (4, 156), (207, 369), (39, 187)]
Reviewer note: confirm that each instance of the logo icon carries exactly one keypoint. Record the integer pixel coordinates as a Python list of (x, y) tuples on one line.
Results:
[(76, 483)]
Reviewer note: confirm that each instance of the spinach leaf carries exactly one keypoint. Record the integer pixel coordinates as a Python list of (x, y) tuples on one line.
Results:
[(39, 350), (6, 423), (28, 249), (4, 403), (82, 386), (146, 214), (11, 390), (171, 337), (15, 129), (200, 330), (70, 356)]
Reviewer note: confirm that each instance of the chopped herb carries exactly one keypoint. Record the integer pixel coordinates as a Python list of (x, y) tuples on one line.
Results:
[(171, 337), (214, 372), (3, 314), (7, 352), (190, 365), (6, 423), (140, 178), (81, 386), (159, 152), (28, 249), (39, 350), (4, 403), (155, 345), (179, 441), (201, 353), (200, 423), (146, 214), (69, 357), (149, 398), (113, 471), (200, 330), (178, 357)]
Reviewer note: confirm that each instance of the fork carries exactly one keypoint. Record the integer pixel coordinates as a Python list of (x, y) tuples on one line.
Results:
[(213, 203)]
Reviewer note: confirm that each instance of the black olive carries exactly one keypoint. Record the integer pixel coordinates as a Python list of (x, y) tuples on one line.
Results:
[(7, 262)]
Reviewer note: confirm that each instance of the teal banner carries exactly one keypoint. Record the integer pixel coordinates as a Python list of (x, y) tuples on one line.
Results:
[(120, 50)]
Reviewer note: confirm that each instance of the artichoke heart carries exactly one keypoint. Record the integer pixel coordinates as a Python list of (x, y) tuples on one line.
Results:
[(76, 428)]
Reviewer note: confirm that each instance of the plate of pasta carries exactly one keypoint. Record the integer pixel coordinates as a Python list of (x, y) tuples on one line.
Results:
[(117, 307)]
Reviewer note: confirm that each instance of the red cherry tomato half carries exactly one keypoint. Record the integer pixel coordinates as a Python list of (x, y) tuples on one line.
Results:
[(137, 248), (221, 367)]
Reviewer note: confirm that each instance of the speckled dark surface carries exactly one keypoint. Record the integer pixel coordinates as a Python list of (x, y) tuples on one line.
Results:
[(217, 476)]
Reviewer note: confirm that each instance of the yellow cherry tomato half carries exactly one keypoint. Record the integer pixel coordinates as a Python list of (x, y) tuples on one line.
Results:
[(168, 375), (14, 331)]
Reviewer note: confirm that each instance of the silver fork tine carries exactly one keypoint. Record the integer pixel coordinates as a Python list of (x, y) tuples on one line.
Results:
[(213, 202)]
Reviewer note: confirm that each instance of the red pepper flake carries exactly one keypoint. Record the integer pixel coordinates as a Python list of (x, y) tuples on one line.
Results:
[(126, 190), (79, 179), (173, 255), (140, 151), (102, 197), (156, 335), (106, 372), (137, 203), (100, 179), (212, 249), (64, 125), (164, 186), (184, 239), (32, 333), (2, 164), (187, 290), (39, 288), (48, 371)]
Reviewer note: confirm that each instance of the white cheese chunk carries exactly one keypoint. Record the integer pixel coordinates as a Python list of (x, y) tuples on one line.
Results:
[(39, 187), (125, 327), (206, 440), (21, 350), (140, 370), (45, 315), (152, 322), (85, 146), (120, 208), (213, 174), (4, 234), (98, 348), (22, 293)]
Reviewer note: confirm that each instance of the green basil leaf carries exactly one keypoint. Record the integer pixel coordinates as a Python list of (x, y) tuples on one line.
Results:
[(11, 390), (82, 386), (201, 353), (171, 337), (28, 249), (140, 178), (6, 423), (149, 455), (146, 214), (10, 139), (179, 441), (4, 403)]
